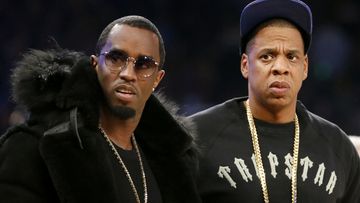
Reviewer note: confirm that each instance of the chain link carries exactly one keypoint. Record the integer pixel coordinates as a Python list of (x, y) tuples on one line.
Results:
[(118, 157), (258, 158)]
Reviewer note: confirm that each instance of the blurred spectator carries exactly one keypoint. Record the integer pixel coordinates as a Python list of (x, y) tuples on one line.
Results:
[(356, 141)]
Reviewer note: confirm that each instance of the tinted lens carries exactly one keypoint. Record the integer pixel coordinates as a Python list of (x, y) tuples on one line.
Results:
[(145, 62), (145, 67), (115, 59)]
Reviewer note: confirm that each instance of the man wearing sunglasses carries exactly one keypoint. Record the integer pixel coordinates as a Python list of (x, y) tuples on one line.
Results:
[(96, 131)]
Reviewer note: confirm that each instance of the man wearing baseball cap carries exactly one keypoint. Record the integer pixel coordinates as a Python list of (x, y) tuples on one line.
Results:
[(267, 147)]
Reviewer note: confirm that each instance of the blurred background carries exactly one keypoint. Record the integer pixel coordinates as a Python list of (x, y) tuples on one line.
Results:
[(201, 39)]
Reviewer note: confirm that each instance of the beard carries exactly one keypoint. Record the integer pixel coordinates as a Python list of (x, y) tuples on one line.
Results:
[(122, 112), (119, 111)]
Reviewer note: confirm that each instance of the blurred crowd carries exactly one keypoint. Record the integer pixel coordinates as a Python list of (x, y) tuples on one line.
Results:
[(201, 39)]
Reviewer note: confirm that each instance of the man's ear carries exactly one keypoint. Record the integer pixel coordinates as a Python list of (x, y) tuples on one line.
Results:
[(244, 65), (94, 61), (306, 67), (159, 76)]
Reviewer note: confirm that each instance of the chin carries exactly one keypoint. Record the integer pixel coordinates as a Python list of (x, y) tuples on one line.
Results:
[(123, 112), (280, 101)]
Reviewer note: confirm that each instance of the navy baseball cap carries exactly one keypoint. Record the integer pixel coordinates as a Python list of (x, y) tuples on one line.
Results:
[(259, 11)]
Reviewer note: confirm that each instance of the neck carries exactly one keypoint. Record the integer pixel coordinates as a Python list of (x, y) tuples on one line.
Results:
[(118, 130), (272, 113)]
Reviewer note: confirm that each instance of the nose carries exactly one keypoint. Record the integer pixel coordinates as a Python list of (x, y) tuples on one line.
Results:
[(128, 71), (281, 66)]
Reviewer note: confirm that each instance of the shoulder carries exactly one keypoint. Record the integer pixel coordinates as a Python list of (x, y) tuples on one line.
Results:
[(329, 132), (219, 114), (22, 167), (19, 148), (211, 123), (326, 128), (19, 134), (320, 124)]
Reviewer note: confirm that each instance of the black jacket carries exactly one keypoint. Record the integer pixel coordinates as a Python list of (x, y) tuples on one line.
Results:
[(58, 155)]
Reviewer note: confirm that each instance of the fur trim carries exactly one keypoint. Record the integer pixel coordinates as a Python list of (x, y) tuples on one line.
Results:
[(38, 77), (177, 139), (185, 122), (49, 82)]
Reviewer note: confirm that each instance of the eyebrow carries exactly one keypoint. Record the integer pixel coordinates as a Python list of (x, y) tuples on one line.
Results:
[(114, 49), (293, 51), (268, 50), (117, 50), (274, 50)]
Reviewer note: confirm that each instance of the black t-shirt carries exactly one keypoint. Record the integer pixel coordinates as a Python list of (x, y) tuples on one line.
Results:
[(328, 167), (131, 161)]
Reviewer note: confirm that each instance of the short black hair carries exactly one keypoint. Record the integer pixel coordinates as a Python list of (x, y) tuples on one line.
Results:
[(133, 21)]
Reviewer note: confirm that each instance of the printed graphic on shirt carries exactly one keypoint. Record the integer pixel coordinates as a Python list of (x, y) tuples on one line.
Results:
[(305, 165)]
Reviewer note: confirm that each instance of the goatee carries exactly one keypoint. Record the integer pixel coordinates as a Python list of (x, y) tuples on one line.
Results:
[(122, 112)]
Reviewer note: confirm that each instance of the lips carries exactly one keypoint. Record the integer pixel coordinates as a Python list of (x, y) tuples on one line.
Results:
[(278, 84), (125, 92), (279, 88)]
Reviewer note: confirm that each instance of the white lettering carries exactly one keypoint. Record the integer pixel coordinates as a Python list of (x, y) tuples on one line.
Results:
[(288, 161), (332, 182), (307, 163), (224, 172), (273, 160), (320, 175), (243, 169)]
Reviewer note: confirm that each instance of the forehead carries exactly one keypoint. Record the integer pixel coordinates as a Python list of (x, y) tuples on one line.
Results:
[(276, 36), (135, 41)]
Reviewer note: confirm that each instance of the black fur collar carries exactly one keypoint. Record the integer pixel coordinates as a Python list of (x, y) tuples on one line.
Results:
[(49, 82)]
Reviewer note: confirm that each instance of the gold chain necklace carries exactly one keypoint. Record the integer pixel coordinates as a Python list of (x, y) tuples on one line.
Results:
[(258, 159), (118, 157)]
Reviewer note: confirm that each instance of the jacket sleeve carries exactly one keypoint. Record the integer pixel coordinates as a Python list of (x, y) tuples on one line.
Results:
[(23, 174)]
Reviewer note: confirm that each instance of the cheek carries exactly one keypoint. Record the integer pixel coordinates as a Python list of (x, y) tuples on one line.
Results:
[(301, 75), (258, 74), (105, 77), (147, 88), (299, 81)]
